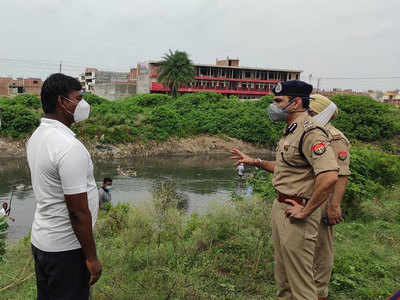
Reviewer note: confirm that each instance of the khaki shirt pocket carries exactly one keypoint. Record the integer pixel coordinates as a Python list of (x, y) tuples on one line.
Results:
[(293, 158)]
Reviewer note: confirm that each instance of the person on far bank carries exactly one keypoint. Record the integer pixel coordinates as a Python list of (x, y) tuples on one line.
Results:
[(304, 171), (5, 211), (324, 112), (66, 195), (104, 192)]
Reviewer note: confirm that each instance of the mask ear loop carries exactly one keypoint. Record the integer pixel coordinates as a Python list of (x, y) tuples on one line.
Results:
[(59, 97), (290, 103)]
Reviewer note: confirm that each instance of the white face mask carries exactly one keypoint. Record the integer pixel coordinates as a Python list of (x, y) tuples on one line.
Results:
[(326, 115), (81, 112)]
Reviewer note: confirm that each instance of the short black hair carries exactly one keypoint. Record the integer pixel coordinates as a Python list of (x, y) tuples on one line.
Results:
[(56, 85), (107, 179)]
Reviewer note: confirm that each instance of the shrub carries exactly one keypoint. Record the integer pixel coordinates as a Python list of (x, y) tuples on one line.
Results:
[(93, 99), (17, 120), (365, 119), (373, 171), (148, 100)]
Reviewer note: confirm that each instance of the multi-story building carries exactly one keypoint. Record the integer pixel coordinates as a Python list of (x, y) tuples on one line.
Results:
[(110, 85), (225, 77), (12, 87)]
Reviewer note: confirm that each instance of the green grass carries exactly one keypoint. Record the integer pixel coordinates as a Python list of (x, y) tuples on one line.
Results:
[(140, 118), (158, 252)]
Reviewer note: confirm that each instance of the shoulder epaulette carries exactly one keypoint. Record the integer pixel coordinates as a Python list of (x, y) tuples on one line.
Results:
[(308, 125)]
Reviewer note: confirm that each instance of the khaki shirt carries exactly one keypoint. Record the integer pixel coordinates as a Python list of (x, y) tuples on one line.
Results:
[(341, 147), (294, 174)]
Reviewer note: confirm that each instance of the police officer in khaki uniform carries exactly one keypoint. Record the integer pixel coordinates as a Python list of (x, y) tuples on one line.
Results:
[(305, 170), (324, 112)]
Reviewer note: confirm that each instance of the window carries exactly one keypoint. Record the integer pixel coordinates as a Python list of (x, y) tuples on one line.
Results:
[(35, 82)]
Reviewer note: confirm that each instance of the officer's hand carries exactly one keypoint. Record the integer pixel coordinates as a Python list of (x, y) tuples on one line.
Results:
[(241, 158), (295, 211), (334, 213), (94, 267)]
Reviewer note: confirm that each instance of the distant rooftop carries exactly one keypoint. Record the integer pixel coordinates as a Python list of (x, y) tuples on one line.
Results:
[(234, 67)]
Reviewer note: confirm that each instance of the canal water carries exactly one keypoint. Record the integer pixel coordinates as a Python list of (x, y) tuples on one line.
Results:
[(203, 179)]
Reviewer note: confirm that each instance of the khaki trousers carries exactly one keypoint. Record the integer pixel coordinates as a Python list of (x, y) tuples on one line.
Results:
[(294, 244), (323, 261)]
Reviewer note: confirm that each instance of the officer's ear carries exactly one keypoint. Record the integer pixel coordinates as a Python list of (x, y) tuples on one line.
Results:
[(298, 101)]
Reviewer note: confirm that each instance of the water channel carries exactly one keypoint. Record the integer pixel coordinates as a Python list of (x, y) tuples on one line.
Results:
[(202, 178)]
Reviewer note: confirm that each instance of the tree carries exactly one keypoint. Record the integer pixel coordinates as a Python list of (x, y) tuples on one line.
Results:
[(175, 71)]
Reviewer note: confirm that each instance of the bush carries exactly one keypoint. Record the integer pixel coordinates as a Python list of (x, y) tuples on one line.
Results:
[(25, 100), (3, 229), (93, 99), (159, 117), (148, 100), (17, 120), (373, 171), (365, 119)]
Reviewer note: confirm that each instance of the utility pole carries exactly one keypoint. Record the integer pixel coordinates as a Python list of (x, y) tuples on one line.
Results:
[(309, 78), (318, 84), (60, 66)]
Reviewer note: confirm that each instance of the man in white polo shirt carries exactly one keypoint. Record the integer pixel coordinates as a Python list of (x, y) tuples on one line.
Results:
[(63, 247)]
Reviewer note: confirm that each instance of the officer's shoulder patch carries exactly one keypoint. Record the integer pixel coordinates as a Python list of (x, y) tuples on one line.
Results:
[(342, 155), (319, 148)]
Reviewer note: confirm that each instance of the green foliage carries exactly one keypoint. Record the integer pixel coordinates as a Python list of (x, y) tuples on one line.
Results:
[(116, 220), (373, 171), (176, 70), (3, 229), (17, 120), (226, 253), (148, 100), (28, 100), (365, 119), (159, 117), (93, 99)]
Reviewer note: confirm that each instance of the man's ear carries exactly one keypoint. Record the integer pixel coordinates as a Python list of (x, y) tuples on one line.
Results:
[(60, 103)]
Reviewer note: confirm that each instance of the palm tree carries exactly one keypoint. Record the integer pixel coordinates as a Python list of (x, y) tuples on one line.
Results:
[(175, 71)]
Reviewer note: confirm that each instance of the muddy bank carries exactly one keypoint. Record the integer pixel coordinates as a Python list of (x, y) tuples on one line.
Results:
[(12, 148), (195, 145)]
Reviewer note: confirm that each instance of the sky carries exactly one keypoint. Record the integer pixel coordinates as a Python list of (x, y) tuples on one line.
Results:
[(328, 39)]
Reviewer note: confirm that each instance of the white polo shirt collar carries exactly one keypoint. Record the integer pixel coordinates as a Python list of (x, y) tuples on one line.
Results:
[(55, 123)]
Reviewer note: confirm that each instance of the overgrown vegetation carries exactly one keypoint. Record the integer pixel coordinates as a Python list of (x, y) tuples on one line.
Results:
[(19, 115), (158, 117), (3, 231), (160, 252)]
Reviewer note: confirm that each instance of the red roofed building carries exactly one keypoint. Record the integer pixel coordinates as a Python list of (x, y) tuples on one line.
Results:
[(225, 77)]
